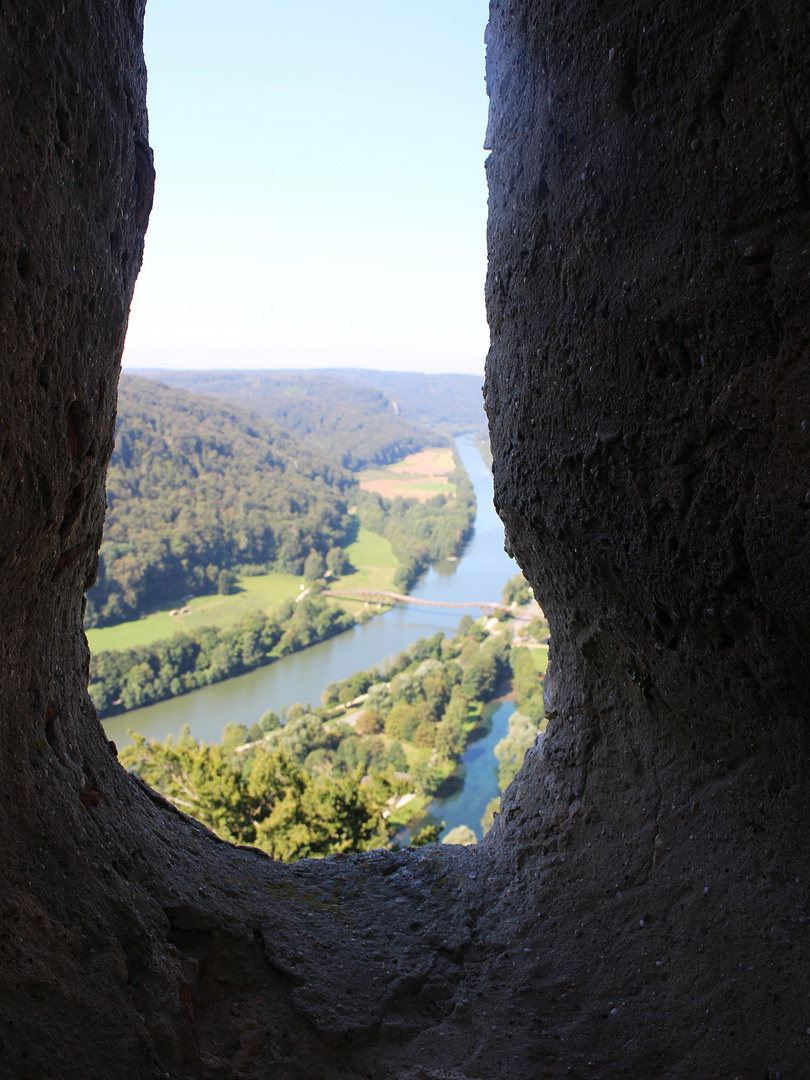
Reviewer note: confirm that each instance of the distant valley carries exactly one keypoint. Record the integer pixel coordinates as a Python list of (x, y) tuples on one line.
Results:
[(234, 516), (367, 417), (359, 419), (217, 513)]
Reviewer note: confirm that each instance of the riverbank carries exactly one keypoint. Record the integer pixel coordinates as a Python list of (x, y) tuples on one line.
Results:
[(373, 565), (481, 570), (426, 726), (125, 680)]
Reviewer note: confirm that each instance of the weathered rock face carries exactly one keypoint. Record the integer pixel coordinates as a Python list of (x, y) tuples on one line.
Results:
[(641, 906), (75, 192), (648, 385), (648, 392)]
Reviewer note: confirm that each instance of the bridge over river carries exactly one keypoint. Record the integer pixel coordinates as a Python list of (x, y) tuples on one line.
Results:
[(487, 607)]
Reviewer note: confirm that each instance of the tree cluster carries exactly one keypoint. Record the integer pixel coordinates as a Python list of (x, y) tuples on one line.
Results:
[(304, 784), (428, 698), (130, 678), (266, 799), (517, 590), (196, 487), (525, 723), (528, 685)]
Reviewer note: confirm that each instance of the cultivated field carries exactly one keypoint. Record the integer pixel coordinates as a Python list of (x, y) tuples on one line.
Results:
[(418, 476)]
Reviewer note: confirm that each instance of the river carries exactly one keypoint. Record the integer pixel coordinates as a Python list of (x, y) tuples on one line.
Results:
[(479, 771), (479, 574)]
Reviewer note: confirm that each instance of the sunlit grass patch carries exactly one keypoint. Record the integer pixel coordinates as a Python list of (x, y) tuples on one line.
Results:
[(370, 554), (375, 565), (540, 659), (371, 550), (265, 592)]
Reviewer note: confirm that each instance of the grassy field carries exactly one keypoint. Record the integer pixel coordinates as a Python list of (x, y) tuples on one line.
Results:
[(370, 554), (265, 592), (375, 564), (540, 659)]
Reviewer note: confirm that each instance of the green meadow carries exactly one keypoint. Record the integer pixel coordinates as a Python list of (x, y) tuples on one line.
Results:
[(540, 659), (375, 565), (370, 554)]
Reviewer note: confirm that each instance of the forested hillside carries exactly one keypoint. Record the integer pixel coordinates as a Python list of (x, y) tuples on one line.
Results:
[(197, 487), (449, 403), (354, 426)]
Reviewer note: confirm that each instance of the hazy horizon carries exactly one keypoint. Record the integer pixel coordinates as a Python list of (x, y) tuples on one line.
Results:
[(333, 371)]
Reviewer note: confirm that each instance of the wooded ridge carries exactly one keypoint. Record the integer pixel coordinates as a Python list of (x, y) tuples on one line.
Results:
[(356, 426), (196, 486)]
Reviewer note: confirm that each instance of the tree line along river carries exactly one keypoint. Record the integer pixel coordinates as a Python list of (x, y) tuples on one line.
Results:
[(479, 574)]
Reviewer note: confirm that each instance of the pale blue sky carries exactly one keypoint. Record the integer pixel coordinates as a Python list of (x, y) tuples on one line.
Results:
[(320, 195)]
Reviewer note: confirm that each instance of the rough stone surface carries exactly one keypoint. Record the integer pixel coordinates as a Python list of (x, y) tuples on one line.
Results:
[(641, 906), (648, 394)]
